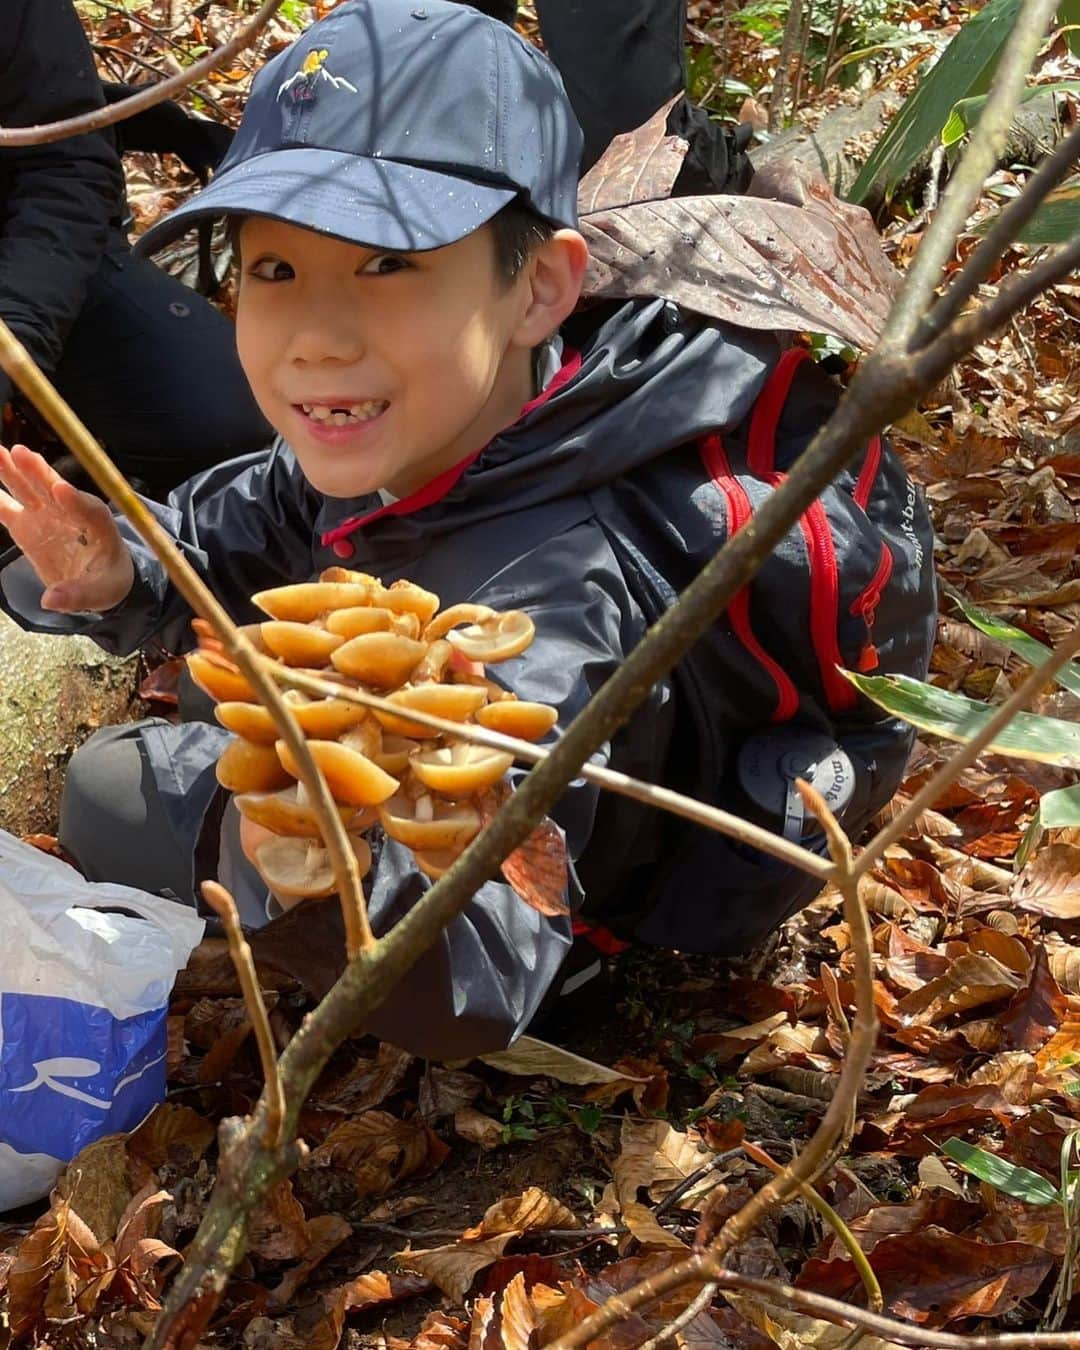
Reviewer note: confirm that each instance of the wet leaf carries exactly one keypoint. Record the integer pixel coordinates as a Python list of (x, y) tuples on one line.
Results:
[(637, 166), (746, 260)]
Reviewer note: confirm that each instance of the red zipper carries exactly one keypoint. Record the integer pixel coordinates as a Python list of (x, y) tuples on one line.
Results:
[(866, 603), (739, 511), (768, 408), (824, 601), (865, 483)]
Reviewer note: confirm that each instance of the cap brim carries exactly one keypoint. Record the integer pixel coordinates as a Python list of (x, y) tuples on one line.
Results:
[(377, 202)]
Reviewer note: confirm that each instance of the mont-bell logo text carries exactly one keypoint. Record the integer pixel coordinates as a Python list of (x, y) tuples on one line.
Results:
[(303, 86)]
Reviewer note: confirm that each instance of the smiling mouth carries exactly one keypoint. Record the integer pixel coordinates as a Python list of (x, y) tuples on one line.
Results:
[(341, 415)]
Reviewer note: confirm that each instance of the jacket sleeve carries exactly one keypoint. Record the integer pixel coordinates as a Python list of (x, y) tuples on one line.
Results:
[(480, 984), (56, 201), (243, 525)]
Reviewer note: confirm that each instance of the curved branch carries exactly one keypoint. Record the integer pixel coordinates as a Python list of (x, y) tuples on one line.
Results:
[(651, 794), (939, 241), (1003, 232), (19, 364), (47, 132)]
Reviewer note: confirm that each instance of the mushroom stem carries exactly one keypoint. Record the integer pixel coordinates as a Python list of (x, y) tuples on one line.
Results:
[(224, 906)]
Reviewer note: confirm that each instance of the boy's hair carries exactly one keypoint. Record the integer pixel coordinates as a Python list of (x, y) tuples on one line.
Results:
[(517, 231)]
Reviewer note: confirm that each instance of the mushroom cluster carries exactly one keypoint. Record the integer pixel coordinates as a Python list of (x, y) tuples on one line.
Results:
[(381, 767)]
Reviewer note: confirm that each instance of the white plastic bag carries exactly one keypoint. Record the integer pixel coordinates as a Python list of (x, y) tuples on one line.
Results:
[(83, 1002)]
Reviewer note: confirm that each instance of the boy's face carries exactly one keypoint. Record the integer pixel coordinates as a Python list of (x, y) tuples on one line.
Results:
[(380, 369)]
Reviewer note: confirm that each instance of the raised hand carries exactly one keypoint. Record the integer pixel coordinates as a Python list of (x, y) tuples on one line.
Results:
[(69, 537)]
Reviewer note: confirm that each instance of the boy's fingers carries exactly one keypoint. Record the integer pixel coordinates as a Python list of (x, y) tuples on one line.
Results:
[(36, 470), (10, 509), (15, 482)]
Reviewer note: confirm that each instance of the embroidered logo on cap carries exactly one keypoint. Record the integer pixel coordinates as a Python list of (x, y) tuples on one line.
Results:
[(301, 87)]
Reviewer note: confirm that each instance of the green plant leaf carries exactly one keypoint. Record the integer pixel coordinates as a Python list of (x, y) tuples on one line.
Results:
[(1058, 810), (967, 111), (965, 67), (1056, 220), (943, 713), (1001, 1174), (1018, 642)]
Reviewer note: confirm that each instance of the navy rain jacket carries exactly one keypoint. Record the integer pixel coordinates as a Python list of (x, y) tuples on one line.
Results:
[(590, 513)]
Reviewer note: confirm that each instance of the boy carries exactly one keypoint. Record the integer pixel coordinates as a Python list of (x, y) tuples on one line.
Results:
[(403, 190)]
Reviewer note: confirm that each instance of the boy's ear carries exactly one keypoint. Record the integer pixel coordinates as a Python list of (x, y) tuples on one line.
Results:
[(554, 275)]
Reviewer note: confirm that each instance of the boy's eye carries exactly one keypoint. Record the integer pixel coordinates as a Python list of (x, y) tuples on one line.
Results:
[(271, 269), (383, 264)]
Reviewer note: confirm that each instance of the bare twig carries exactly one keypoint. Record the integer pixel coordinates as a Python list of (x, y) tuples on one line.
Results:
[(1006, 227), (651, 794), (222, 903), (832, 1310), (778, 97), (834, 1128), (18, 363), (800, 65), (847, 1238), (983, 152), (47, 132), (694, 1308), (951, 770), (826, 65)]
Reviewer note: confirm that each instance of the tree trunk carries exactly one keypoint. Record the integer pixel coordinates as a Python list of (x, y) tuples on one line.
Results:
[(54, 691)]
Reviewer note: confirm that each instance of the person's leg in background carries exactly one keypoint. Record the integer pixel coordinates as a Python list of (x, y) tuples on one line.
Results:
[(620, 61), (151, 367)]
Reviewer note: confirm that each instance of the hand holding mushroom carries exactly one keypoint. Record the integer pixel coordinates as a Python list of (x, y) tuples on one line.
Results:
[(380, 767)]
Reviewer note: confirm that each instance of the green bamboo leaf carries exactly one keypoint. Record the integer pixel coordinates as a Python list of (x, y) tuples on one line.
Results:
[(943, 713), (967, 111), (965, 67), (1057, 219), (1018, 642), (1002, 1174), (1058, 810)]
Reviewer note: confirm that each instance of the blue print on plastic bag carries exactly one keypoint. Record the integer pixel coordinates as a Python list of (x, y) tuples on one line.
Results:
[(70, 1072)]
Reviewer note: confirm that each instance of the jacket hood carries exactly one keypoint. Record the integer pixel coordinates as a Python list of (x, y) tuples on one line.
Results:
[(651, 377)]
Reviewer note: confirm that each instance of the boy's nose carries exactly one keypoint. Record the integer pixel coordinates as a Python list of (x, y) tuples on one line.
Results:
[(320, 343)]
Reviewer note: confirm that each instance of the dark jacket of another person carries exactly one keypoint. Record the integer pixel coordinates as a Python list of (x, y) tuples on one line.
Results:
[(59, 201)]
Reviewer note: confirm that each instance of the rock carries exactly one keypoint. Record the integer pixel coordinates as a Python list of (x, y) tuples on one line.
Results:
[(844, 138), (54, 691)]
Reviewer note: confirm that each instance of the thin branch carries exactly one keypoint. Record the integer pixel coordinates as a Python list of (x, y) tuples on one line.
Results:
[(951, 770), (47, 132), (983, 152), (847, 1238), (219, 900), (835, 1125), (19, 364), (1014, 294), (651, 794), (842, 1314), (693, 1309), (778, 97), (1006, 227)]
